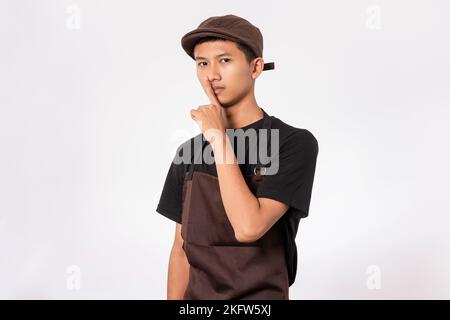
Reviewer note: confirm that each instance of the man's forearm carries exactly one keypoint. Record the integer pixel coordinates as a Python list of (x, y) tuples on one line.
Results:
[(241, 206), (178, 274)]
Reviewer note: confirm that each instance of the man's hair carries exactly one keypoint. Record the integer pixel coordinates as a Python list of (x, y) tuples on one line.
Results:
[(249, 55)]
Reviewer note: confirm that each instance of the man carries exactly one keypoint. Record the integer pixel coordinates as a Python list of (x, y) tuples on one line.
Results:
[(235, 222)]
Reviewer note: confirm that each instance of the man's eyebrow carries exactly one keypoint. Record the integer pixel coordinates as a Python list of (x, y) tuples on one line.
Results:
[(219, 55)]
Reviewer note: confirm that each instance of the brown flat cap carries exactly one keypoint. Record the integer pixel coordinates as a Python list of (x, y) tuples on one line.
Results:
[(229, 27)]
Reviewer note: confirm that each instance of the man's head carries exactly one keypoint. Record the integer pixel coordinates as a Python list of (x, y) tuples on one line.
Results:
[(238, 72), (228, 64)]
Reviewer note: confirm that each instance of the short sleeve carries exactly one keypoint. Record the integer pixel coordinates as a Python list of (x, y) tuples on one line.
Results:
[(170, 202), (293, 182)]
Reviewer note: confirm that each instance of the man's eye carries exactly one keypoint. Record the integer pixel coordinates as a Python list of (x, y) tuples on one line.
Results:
[(200, 63)]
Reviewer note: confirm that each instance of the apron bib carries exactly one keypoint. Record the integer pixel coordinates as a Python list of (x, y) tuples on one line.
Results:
[(221, 267)]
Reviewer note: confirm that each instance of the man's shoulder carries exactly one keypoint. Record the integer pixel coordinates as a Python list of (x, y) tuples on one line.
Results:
[(292, 135)]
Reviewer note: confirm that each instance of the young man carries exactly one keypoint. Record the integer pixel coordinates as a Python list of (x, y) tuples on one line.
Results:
[(236, 222)]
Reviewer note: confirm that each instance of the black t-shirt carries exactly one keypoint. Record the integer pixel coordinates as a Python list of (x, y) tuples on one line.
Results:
[(292, 184)]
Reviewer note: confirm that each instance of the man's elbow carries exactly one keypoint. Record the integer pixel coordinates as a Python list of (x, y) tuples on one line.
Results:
[(247, 235)]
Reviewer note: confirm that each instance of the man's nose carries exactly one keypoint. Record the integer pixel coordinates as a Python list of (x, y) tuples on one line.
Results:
[(213, 73)]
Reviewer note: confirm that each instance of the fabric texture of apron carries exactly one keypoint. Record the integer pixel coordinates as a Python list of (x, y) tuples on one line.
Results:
[(221, 267)]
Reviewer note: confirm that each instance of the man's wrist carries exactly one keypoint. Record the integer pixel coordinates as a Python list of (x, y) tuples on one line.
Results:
[(219, 141), (223, 152)]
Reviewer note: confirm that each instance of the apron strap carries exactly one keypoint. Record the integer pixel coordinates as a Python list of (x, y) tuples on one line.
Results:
[(267, 125), (198, 156)]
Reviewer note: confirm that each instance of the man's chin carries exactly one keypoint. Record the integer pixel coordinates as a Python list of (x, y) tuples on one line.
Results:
[(226, 103)]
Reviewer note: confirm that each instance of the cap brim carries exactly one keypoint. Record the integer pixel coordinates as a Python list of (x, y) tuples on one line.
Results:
[(190, 39)]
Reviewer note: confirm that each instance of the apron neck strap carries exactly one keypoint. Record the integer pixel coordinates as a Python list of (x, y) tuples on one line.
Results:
[(267, 125)]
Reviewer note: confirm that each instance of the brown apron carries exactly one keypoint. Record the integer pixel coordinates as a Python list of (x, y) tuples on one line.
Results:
[(221, 267)]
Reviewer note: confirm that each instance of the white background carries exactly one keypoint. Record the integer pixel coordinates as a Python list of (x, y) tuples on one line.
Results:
[(95, 97)]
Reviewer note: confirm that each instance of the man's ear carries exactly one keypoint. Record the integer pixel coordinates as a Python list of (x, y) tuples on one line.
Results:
[(258, 66)]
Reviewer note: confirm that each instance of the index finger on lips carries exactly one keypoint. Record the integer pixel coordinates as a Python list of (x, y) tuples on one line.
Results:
[(210, 93)]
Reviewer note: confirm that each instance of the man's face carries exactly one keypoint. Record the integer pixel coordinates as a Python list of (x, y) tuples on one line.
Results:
[(225, 65)]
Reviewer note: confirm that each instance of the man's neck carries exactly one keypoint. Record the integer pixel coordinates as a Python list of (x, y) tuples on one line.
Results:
[(243, 113)]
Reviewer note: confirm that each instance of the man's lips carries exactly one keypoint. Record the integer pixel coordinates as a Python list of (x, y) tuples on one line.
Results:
[(218, 89)]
